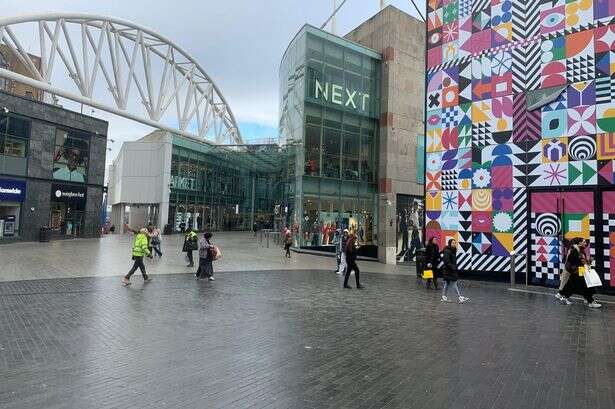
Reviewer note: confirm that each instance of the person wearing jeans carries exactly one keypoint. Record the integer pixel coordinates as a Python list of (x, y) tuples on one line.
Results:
[(449, 257), (140, 249)]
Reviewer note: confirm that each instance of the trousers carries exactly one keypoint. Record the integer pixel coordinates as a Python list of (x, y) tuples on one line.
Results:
[(351, 266), (137, 264)]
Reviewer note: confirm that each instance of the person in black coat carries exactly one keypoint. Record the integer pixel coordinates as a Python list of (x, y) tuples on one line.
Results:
[(576, 283), (449, 257), (432, 260), (351, 261)]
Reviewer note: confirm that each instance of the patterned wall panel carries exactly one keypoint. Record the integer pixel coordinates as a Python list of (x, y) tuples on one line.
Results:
[(486, 151)]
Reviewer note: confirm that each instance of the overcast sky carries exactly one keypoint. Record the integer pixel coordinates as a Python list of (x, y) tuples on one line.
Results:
[(238, 42)]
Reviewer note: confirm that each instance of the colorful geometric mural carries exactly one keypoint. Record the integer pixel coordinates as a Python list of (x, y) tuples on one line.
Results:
[(486, 152)]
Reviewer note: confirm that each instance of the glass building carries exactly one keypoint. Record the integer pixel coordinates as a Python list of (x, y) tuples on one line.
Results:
[(329, 112)]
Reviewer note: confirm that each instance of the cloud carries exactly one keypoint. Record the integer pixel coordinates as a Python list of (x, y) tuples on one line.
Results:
[(239, 43)]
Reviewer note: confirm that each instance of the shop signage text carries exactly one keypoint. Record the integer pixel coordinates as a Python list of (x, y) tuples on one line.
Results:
[(68, 193), (12, 190), (342, 96)]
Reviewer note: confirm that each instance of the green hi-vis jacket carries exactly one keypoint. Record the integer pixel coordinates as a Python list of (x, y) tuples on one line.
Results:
[(140, 246)]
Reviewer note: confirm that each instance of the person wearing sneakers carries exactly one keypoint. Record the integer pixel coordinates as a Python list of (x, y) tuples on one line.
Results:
[(140, 249), (577, 258), (449, 257)]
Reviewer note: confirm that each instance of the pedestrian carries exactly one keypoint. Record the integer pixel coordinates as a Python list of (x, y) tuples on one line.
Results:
[(206, 257), (575, 261), (337, 242), (449, 257), (155, 240), (342, 246), (432, 260), (139, 250), (191, 243), (564, 275), (415, 242), (288, 241), (351, 261)]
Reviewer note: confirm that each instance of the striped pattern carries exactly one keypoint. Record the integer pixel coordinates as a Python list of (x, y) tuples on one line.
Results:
[(526, 67), (525, 19), (464, 261), (520, 228), (488, 263), (527, 123)]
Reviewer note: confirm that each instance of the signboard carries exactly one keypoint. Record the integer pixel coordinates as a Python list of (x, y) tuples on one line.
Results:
[(68, 193), (12, 190), (342, 96)]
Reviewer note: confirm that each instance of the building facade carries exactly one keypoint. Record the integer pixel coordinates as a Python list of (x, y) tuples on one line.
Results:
[(400, 39), (51, 170), (179, 183), (329, 110), (520, 134), (10, 62)]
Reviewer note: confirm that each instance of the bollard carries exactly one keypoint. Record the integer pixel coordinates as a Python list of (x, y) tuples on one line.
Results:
[(512, 268), (267, 235)]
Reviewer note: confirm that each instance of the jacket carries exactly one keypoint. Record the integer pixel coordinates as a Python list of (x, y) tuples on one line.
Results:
[(351, 251), (574, 260), (449, 257), (204, 248), (191, 242), (140, 247), (432, 256)]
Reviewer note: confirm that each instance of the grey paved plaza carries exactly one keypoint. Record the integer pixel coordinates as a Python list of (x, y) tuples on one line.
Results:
[(288, 337)]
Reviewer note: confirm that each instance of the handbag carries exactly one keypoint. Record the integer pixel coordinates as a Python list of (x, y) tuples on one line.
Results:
[(427, 274), (218, 253), (592, 279), (581, 271)]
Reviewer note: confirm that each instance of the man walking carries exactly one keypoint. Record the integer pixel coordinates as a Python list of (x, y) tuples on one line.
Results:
[(139, 250)]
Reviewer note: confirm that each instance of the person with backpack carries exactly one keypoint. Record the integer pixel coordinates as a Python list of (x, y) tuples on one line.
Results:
[(207, 254), (139, 250), (449, 257), (575, 261), (191, 243), (351, 261), (432, 260)]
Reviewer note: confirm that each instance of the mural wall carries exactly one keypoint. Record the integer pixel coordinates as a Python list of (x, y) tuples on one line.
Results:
[(487, 153)]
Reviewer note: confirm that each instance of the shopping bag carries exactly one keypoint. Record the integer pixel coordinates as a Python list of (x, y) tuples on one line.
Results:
[(218, 253), (581, 271), (592, 279), (427, 274)]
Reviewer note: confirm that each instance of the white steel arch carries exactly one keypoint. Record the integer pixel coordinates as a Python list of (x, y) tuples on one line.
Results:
[(110, 63)]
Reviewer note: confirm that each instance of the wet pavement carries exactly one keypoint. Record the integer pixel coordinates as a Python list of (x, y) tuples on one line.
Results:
[(295, 339)]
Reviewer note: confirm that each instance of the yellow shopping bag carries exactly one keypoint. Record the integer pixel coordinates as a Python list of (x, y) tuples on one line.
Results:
[(427, 274), (581, 271)]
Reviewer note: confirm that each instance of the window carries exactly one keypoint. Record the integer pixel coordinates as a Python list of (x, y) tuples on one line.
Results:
[(70, 160), (3, 81), (331, 153), (312, 150)]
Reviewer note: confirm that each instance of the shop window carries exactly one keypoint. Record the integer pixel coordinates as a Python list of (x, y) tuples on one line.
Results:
[(350, 156), (70, 161), (331, 144), (312, 151), (367, 158)]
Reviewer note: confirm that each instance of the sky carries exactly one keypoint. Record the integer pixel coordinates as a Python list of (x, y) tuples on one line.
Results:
[(239, 43)]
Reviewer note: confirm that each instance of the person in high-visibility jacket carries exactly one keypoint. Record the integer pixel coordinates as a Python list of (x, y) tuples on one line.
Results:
[(140, 249)]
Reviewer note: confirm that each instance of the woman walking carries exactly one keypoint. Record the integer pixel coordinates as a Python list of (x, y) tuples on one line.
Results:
[(139, 250), (154, 240), (288, 241), (206, 258), (351, 261), (432, 260), (449, 257), (577, 259)]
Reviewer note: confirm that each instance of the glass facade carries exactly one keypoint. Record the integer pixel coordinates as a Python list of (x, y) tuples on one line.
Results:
[(329, 111), (71, 155), (14, 138), (223, 188)]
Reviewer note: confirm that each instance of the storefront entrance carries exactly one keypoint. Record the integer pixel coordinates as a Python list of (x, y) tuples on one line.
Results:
[(12, 195), (67, 210), (559, 216)]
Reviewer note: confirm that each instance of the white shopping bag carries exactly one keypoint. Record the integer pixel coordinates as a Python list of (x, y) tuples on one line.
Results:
[(592, 279)]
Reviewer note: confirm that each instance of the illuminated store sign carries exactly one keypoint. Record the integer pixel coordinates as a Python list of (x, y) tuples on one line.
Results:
[(342, 96)]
